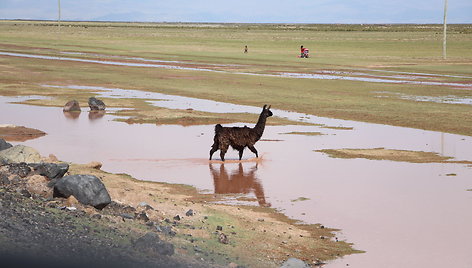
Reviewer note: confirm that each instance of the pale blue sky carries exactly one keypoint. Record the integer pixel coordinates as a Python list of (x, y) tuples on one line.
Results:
[(247, 11)]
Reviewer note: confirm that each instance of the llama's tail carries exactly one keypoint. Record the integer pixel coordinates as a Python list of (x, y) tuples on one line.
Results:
[(218, 128)]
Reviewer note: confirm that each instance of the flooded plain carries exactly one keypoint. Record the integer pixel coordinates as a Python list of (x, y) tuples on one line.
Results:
[(402, 214), (355, 75)]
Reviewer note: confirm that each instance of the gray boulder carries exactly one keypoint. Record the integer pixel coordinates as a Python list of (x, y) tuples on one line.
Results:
[(151, 242), (4, 145), (72, 106), (50, 170), (96, 104), (20, 153), (88, 189), (294, 263)]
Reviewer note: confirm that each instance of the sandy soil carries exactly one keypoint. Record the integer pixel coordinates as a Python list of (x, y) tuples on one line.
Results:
[(19, 133), (392, 155)]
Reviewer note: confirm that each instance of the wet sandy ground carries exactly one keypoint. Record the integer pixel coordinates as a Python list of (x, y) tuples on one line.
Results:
[(402, 214)]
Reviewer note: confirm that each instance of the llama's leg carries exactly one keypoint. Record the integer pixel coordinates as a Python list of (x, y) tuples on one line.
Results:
[(214, 148), (241, 154), (223, 149), (253, 149), (222, 154)]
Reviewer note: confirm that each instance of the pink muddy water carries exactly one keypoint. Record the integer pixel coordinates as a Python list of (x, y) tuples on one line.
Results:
[(401, 214)]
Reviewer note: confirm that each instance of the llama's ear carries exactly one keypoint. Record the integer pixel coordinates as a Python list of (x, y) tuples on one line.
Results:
[(268, 108), (263, 108)]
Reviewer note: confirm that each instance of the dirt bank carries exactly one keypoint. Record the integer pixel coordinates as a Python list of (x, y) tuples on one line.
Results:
[(19, 133), (392, 155)]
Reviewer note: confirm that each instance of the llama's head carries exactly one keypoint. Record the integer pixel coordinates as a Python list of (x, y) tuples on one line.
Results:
[(266, 111)]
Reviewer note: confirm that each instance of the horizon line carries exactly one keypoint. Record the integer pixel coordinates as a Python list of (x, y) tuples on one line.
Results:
[(292, 23)]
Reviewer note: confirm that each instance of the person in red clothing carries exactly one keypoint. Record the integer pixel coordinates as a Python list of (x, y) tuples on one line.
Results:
[(304, 52)]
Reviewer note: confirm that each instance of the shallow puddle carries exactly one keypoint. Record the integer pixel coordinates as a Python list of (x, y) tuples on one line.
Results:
[(451, 99), (322, 75), (402, 214)]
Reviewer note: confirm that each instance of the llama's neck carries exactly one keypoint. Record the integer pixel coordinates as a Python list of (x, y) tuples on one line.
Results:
[(259, 128)]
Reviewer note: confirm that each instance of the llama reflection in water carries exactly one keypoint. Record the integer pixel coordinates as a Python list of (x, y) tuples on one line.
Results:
[(238, 182)]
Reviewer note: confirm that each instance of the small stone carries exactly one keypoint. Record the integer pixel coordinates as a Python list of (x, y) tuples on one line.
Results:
[(52, 158), (96, 216), (177, 218), (71, 201), (25, 193), (94, 165), (260, 219), (219, 228), (127, 216), (145, 206), (222, 238), (142, 216), (189, 213)]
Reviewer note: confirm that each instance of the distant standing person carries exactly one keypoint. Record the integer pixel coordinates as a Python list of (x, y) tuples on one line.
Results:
[(302, 49), (245, 49)]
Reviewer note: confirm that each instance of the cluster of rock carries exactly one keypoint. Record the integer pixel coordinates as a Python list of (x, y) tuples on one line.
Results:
[(94, 104), (22, 167), (23, 170)]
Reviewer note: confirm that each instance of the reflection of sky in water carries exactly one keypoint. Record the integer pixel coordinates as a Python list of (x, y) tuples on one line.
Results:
[(374, 79), (451, 99), (146, 60), (324, 75)]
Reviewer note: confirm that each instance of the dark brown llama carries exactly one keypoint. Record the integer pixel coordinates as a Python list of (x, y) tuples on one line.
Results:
[(239, 137)]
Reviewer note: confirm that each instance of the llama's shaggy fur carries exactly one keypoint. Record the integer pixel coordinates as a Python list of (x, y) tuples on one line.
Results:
[(239, 137)]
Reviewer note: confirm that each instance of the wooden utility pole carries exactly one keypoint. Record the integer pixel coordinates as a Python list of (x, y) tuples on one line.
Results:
[(445, 30), (59, 13)]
